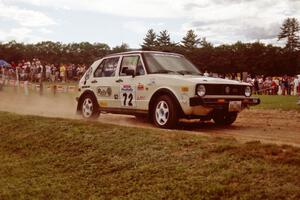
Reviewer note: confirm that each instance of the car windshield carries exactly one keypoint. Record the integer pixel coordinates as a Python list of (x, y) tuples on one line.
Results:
[(159, 63)]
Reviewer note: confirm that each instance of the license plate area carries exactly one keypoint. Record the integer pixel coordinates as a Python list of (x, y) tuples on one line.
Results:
[(235, 106)]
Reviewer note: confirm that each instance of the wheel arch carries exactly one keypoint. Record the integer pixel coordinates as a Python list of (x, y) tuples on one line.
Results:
[(165, 91)]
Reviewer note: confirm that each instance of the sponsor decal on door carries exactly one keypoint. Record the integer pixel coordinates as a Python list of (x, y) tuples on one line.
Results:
[(127, 96)]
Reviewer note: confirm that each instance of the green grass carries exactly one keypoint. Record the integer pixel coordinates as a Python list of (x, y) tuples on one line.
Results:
[(49, 158), (278, 102)]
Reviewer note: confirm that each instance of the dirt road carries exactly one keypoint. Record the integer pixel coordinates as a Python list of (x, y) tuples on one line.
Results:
[(268, 126)]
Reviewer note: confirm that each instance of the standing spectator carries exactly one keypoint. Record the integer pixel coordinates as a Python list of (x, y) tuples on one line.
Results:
[(74, 72), (62, 73), (48, 72), (33, 70), (268, 86), (39, 71), (297, 85), (277, 82), (260, 83), (290, 85), (274, 86), (27, 71), (256, 87), (206, 74), (69, 72), (57, 77), (53, 73), (284, 85)]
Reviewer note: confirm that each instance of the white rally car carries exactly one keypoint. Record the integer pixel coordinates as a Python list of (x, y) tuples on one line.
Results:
[(164, 86)]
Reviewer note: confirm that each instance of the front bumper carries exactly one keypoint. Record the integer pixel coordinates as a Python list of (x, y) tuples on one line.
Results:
[(217, 101)]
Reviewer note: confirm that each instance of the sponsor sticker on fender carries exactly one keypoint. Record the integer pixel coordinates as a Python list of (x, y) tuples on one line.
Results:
[(141, 98), (140, 87), (103, 103), (127, 88), (104, 91)]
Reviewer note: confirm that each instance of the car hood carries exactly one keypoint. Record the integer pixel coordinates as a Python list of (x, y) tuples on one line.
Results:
[(202, 79)]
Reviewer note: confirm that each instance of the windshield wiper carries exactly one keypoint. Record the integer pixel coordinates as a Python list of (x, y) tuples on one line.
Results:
[(184, 72), (165, 71)]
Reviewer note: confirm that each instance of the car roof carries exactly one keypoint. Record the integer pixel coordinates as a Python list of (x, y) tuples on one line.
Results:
[(140, 52)]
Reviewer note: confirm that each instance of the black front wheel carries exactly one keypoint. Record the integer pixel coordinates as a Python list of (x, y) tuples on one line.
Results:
[(164, 112), (225, 119)]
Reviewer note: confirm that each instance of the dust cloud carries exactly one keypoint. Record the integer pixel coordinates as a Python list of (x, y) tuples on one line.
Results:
[(61, 105), (48, 105)]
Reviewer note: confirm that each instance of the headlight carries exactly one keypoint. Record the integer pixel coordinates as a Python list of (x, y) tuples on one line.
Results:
[(248, 91), (201, 90)]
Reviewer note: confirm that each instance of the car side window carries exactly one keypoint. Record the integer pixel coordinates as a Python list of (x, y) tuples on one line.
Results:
[(107, 68), (98, 71), (133, 63)]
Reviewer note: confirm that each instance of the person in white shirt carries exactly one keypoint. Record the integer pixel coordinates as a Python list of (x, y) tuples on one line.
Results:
[(298, 85), (48, 72), (206, 74)]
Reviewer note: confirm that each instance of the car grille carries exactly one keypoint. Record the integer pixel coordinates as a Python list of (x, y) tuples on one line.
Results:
[(222, 89)]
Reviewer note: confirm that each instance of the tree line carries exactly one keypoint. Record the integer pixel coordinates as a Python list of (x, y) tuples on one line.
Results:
[(57, 52), (255, 58)]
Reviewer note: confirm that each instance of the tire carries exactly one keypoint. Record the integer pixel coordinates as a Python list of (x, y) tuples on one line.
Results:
[(89, 107), (164, 113), (225, 119)]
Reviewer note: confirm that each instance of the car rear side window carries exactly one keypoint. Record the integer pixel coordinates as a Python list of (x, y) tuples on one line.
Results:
[(107, 67), (134, 63)]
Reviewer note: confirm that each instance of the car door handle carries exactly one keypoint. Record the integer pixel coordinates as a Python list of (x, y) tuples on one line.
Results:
[(94, 81), (119, 81)]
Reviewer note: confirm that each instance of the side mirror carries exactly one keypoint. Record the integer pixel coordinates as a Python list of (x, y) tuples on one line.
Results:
[(130, 72)]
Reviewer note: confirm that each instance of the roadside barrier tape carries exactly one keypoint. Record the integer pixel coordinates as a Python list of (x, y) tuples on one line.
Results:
[(71, 88), (49, 87), (12, 82), (34, 86), (60, 88), (38, 87), (265, 89)]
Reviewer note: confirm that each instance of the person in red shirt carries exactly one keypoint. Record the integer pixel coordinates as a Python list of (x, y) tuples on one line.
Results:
[(274, 87)]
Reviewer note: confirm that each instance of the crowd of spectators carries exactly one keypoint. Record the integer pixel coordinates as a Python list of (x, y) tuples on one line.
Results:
[(267, 85), (285, 85), (36, 71)]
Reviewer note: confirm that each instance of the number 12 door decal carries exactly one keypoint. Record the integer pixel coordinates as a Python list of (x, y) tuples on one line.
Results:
[(127, 94)]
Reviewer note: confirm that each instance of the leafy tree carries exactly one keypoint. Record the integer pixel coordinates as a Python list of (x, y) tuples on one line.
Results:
[(150, 42), (122, 48), (290, 30), (191, 40)]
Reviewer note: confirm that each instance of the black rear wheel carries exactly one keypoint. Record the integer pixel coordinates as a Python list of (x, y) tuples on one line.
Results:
[(89, 107)]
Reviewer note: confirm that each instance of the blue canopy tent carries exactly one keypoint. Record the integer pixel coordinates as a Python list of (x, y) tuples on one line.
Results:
[(3, 63)]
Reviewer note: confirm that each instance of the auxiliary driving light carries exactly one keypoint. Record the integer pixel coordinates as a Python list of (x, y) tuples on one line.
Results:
[(248, 91), (201, 90)]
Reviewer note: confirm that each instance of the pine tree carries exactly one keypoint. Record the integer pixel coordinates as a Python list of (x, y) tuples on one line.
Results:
[(204, 43), (164, 39), (149, 41), (191, 40), (290, 30)]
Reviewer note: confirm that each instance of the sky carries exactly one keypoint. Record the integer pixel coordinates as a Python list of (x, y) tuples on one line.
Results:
[(126, 21)]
